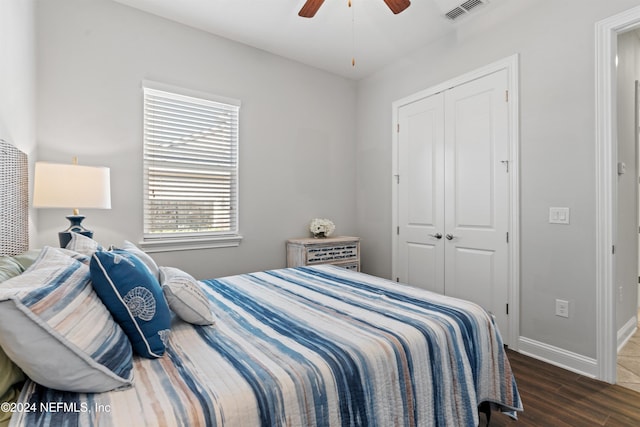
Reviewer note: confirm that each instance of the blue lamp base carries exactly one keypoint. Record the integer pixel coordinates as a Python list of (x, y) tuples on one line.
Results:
[(76, 226)]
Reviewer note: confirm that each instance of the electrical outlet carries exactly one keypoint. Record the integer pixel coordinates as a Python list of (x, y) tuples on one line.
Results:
[(562, 308)]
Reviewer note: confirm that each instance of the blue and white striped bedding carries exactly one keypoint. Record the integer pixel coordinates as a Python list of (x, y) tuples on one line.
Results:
[(310, 346)]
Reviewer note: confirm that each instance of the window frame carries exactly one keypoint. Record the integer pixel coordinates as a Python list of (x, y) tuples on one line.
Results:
[(163, 242)]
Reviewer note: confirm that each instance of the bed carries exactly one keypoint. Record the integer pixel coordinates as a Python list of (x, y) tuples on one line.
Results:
[(306, 346)]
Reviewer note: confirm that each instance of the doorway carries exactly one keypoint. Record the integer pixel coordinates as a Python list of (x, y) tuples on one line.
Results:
[(626, 259), (607, 168)]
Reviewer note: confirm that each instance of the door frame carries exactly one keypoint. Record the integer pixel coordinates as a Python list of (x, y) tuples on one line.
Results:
[(511, 64), (607, 32)]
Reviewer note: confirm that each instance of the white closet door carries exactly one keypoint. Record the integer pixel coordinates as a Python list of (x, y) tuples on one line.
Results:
[(452, 195), (421, 194), (476, 194)]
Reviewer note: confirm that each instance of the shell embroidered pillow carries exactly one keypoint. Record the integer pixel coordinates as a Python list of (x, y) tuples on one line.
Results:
[(135, 299)]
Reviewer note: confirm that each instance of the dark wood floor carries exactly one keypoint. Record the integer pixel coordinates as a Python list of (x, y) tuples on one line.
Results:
[(554, 397)]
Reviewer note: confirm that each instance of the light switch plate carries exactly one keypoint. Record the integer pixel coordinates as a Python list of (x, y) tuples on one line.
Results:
[(559, 215)]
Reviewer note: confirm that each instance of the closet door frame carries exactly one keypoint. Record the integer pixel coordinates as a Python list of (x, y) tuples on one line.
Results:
[(510, 64)]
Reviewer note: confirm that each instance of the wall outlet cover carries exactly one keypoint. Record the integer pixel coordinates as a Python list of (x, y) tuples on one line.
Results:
[(562, 308)]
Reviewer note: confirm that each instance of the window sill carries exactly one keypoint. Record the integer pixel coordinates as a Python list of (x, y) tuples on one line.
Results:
[(188, 244)]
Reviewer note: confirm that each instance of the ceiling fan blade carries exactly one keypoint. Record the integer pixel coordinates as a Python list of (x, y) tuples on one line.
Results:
[(397, 6), (310, 8)]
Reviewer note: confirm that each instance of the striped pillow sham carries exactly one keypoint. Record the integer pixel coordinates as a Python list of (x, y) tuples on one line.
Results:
[(54, 327)]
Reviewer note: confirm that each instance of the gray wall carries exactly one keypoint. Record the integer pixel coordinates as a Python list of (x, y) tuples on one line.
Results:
[(297, 128), (17, 79), (17, 74), (555, 40)]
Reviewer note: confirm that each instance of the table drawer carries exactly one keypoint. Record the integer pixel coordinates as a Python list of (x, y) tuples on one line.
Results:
[(327, 254)]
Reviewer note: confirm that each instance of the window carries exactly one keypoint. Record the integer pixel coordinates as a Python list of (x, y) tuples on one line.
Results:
[(190, 170)]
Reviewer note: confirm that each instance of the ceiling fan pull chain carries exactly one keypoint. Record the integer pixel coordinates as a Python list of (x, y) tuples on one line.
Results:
[(310, 8), (353, 34)]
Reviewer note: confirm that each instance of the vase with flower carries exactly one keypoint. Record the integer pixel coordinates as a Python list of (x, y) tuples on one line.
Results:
[(321, 227)]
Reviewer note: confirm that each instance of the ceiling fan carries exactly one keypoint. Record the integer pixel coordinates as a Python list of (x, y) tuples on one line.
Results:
[(311, 7)]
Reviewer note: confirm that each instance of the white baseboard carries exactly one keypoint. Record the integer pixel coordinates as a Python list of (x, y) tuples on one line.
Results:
[(626, 332), (562, 358)]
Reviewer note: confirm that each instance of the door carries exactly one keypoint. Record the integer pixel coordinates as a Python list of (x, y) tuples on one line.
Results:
[(453, 188), (421, 213), (476, 194)]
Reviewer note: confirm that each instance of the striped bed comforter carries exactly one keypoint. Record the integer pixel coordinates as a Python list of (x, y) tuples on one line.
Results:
[(310, 346)]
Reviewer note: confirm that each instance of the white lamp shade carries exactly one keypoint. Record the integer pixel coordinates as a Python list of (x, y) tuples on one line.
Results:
[(71, 186)]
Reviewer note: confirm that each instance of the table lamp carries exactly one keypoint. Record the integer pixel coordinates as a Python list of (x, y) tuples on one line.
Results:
[(71, 186)]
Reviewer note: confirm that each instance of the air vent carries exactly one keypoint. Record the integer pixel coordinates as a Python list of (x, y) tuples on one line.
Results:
[(464, 8), (455, 13), (468, 5)]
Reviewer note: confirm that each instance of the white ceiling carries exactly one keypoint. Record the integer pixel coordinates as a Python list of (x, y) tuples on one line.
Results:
[(368, 31)]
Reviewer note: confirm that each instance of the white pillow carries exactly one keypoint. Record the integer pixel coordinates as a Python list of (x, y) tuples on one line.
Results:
[(56, 329), (142, 256), (185, 296), (82, 244)]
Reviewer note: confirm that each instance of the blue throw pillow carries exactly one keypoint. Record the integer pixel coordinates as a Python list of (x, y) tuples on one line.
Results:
[(134, 298)]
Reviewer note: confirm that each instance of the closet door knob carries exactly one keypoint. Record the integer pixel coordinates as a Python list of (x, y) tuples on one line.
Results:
[(450, 236), (437, 236)]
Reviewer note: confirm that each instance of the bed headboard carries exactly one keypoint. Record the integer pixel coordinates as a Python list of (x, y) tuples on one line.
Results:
[(14, 200)]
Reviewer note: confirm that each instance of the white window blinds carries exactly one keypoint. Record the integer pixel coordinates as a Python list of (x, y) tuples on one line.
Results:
[(190, 166)]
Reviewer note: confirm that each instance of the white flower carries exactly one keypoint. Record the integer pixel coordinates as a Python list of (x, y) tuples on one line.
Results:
[(322, 226)]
